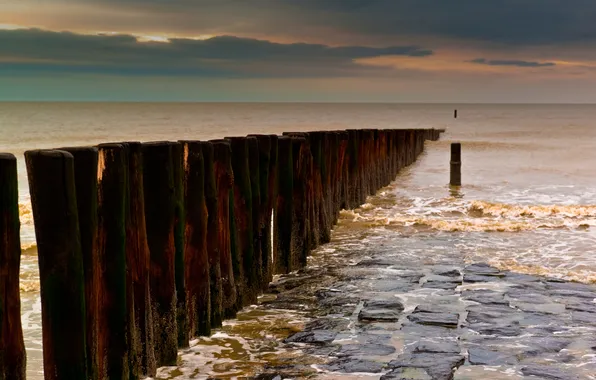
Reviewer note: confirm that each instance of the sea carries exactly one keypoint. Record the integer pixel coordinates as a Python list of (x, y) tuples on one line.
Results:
[(527, 201)]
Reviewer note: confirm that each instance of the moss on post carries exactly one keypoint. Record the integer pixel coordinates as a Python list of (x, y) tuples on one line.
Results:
[(12, 348)]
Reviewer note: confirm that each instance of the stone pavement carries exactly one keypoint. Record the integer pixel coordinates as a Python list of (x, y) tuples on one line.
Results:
[(381, 317)]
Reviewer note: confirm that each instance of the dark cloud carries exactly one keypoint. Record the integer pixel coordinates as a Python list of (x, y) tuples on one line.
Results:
[(223, 56), (518, 63), (507, 22)]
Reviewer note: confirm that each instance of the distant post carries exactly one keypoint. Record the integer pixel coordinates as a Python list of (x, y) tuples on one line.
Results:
[(455, 114), (455, 175)]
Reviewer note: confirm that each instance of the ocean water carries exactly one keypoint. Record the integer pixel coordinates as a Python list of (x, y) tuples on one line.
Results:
[(527, 204)]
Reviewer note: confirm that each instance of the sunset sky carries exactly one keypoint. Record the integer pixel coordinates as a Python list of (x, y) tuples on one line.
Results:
[(519, 51)]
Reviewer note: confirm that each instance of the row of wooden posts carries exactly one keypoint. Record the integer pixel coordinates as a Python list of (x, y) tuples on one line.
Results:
[(144, 245)]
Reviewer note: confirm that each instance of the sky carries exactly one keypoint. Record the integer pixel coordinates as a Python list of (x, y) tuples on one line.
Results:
[(454, 51)]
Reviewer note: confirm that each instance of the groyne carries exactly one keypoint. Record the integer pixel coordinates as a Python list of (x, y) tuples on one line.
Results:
[(144, 245)]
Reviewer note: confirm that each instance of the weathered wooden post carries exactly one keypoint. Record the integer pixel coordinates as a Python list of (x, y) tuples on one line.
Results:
[(179, 243), (138, 268), (197, 273), (320, 211), (299, 219), (158, 183), (12, 348), (53, 199), (455, 114), (257, 223), (272, 208), (245, 270), (355, 186), (85, 176), (345, 162), (112, 306), (285, 206), (224, 177), (213, 252), (455, 173), (265, 192)]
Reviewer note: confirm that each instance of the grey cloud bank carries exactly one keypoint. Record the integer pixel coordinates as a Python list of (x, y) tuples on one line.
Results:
[(518, 63)]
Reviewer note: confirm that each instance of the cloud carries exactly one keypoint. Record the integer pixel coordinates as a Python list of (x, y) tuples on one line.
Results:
[(495, 22), (224, 56), (517, 63)]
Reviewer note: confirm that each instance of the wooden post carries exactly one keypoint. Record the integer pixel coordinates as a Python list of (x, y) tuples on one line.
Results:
[(113, 318), (12, 348), (272, 208), (224, 178), (85, 176), (320, 211), (179, 243), (158, 183), (264, 156), (213, 252), (344, 176), (455, 173), (196, 256), (245, 273), (299, 199), (257, 222), (354, 186), (284, 206), (138, 264), (53, 199), (455, 114)]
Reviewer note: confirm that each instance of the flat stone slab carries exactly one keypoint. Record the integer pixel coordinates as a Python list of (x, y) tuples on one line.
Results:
[(381, 311), (407, 373), (548, 372), (449, 320), (441, 285), (485, 297), (482, 356), (438, 366), (437, 347), (352, 365), (482, 268), (366, 350), (313, 337)]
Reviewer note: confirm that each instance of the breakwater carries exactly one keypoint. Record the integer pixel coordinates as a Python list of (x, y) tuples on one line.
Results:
[(142, 246)]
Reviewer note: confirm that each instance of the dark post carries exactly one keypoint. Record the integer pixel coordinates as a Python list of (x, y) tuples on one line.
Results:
[(179, 223), (257, 222), (455, 174), (299, 198), (213, 252), (85, 172), (320, 216), (245, 274), (158, 183), (264, 229), (12, 347), (455, 114), (138, 266), (224, 178), (272, 208), (53, 199), (113, 318), (284, 206), (196, 256)]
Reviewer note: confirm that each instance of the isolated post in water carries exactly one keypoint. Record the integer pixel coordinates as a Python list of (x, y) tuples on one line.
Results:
[(455, 174), (213, 253), (158, 183), (112, 307), (455, 114), (224, 178), (196, 260), (138, 262), (53, 200), (85, 170), (12, 348)]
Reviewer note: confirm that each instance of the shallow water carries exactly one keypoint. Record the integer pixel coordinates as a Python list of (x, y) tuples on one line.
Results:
[(528, 203)]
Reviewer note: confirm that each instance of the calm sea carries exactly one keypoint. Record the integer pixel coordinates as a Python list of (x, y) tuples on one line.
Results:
[(528, 202)]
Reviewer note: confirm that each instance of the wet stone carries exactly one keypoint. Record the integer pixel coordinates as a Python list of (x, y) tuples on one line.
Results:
[(476, 278), (547, 344), (438, 366), (485, 297), (526, 296), (583, 317), (441, 285), (505, 330), (407, 373), (395, 286), (492, 314), (449, 273), (586, 306), (437, 347), (312, 337), (381, 310), (548, 372), (377, 263), (573, 293), (448, 320), (351, 365), (365, 350), (333, 324), (481, 268), (520, 277), (482, 356)]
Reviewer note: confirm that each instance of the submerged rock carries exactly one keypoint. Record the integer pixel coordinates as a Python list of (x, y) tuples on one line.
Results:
[(437, 347), (313, 337), (407, 373), (351, 365), (379, 310), (438, 366), (548, 372), (482, 356)]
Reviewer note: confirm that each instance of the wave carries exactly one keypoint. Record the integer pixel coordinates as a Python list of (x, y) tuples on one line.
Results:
[(480, 208), (25, 213)]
